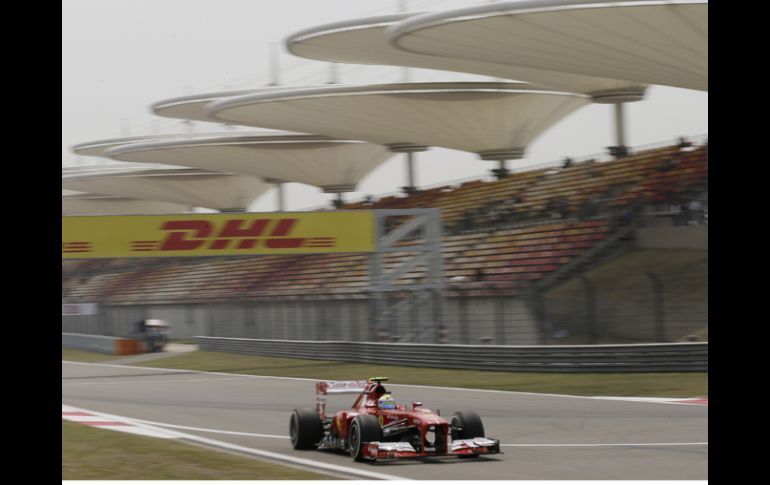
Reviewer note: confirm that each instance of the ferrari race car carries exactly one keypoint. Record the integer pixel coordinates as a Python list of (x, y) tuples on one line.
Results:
[(375, 428)]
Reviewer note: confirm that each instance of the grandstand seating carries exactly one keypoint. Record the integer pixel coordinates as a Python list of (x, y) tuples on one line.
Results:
[(501, 236)]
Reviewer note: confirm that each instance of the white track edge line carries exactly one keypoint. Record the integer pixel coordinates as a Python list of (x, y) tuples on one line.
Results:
[(497, 391), (255, 451), (523, 445)]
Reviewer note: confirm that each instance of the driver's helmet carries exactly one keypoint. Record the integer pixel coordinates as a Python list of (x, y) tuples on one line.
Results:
[(386, 402)]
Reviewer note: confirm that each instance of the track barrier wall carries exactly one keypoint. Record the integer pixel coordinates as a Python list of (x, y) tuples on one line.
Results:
[(672, 357), (101, 344)]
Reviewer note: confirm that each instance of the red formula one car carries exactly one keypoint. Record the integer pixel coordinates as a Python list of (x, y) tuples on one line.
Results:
[(375, 428)]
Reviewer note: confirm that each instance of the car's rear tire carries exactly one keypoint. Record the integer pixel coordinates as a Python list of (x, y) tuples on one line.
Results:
[(305, 428), (364, 428)]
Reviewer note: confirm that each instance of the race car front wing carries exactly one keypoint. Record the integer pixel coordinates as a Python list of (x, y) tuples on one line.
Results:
[(385, 450)]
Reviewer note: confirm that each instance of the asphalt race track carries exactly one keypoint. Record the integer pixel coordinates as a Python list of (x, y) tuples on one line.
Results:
[(543, 436)]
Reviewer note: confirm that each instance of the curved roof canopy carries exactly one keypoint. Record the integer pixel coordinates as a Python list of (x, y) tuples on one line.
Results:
[(99, 148), (185, 186), (192, 107), (85, 204), (334, 165), (495, 120), (647, 41), (365, 41)]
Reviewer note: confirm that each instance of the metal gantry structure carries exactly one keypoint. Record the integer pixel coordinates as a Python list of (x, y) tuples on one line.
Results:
[(419, 232)]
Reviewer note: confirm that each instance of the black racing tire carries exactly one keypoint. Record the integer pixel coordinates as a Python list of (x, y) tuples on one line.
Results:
[(305, 429), (364, 428), (469, 423)]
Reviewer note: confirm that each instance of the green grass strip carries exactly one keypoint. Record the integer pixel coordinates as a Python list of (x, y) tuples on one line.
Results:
[(96, 454), (685, 384), (85, 356)]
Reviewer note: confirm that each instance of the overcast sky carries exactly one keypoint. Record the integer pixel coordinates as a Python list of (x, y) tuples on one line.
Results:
[(120, 56)]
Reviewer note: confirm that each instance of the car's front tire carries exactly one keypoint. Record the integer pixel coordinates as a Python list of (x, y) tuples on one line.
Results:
[(466, 425), (305, 428), (364, 428)]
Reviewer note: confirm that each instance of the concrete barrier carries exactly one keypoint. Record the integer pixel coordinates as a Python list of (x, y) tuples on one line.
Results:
[(670, 357), (101, 344)]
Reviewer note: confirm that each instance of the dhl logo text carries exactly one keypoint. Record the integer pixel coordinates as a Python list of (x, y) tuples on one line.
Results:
[(189, 235), (76, 247)]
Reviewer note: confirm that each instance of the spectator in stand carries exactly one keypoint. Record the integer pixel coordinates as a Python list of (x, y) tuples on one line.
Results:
[(684, 143), (666, 165), (467, 220), (567, 162), (479, 275)]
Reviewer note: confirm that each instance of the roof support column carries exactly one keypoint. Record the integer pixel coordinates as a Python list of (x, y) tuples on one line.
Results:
[(502, 156), (620, 135), (410, 181), (619, 98), (339, 200), (280, 199), (502, 169), (410, 150)]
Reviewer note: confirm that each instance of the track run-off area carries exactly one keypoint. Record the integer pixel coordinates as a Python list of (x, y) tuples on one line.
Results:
[(543, 436)]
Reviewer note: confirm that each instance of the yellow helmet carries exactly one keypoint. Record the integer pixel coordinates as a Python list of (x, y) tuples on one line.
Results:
[(386, 402)]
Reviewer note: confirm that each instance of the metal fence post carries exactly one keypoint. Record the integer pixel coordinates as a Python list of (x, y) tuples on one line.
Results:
[(500, 320), (462, 313), (209, 322), (660, 319), (538, 305), (593, 334), (105, 319)]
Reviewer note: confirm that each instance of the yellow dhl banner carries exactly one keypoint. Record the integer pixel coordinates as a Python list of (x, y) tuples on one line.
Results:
[(217, 234)]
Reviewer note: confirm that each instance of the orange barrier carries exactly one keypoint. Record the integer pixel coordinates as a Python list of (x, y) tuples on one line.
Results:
[(127, 346)]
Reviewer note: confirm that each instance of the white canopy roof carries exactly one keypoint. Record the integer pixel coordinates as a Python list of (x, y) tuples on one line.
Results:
[(365, 41), (655, 42), (84, 204), (99, 148), (192, 107), (334, 165), (185, 186), (495, 120)]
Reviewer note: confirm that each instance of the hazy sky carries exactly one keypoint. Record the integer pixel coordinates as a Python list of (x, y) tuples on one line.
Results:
[(120, 56)]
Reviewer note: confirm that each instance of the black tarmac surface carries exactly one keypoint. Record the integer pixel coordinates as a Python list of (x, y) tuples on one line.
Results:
[(543, 436)]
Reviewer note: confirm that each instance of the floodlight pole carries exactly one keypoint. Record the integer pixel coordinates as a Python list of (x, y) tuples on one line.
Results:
[(274, 65)]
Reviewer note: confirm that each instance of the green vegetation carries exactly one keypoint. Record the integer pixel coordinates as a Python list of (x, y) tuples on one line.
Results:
[(85, 356), (96, 454), (690, 384)]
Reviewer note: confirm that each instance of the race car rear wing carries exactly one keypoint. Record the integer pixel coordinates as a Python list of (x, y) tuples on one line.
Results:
[(323, 388), (340, 387)]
